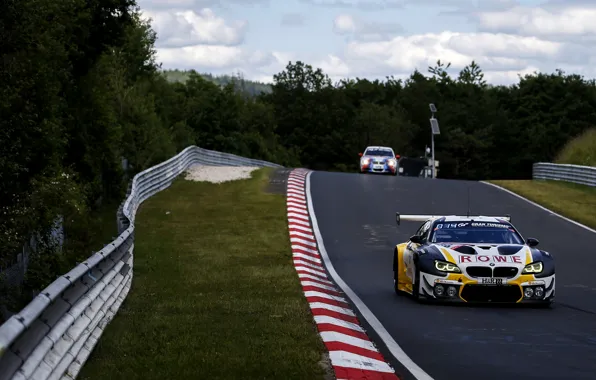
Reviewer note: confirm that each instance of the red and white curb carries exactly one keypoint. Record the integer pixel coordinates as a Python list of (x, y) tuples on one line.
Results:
[(353, 355)]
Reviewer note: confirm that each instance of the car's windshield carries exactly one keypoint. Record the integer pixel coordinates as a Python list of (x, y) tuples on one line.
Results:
[(378, 152), (475, 232)]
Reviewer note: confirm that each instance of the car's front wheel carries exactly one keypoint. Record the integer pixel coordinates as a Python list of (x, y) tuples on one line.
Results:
[(416, 284)]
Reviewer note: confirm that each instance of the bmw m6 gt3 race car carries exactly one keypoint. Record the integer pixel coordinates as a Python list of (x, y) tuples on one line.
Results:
[(473, 259), (379, 159)]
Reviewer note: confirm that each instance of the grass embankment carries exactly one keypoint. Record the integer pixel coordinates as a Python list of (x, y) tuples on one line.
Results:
[(215, 294), (577, 202), (580, 150)]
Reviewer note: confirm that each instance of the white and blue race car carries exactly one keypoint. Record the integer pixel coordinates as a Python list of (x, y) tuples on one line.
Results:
[(472, 259), (379, 159)]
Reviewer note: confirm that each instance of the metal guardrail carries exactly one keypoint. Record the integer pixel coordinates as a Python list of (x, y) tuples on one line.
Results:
[(52, 337), (585, 175)]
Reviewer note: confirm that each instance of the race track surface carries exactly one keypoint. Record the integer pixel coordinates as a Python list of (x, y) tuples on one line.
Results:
[(356, 217)]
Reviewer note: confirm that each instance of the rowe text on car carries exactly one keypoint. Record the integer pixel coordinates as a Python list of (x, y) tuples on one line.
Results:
[(474, 259), (379, 159)]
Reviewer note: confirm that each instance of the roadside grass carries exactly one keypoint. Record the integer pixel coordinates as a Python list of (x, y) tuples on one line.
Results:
[(575, 201), (580, 150), (215, 294)]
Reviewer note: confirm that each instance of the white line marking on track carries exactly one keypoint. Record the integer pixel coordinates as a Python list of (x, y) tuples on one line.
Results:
[(333, 336), (539, 206), (391, 344), (338, 322), (350, 360), (326, 306)]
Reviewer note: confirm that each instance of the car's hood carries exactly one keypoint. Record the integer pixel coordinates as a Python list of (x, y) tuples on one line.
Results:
[(378, 158), (493, 255)]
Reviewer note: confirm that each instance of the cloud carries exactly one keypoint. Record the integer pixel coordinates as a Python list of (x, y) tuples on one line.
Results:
[(366, 5), (187, 28), (490, 51), (376, 5), (206, 57), (345, 24), (293, 19), (195, 4), (554, 23)]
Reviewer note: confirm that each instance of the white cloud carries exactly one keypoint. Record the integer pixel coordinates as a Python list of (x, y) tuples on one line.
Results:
[(344, 24), (335, 67), (490, 51), (215, 57), (187, 28), (194, 4), (535, 21), (516, 41)]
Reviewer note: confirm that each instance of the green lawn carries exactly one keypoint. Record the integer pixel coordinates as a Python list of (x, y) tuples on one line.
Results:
[(215, 294), (577, 202)]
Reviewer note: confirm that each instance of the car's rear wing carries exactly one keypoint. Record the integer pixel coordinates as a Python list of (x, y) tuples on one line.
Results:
[(422, 218)]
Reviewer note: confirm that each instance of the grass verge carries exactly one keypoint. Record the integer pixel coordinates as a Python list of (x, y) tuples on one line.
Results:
[(577, 202), (215, 294), (579, 151)]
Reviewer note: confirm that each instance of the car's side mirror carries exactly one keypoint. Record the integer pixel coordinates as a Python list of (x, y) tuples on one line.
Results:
[(416, 239), (397, 156), (532, 242), (360, 154)]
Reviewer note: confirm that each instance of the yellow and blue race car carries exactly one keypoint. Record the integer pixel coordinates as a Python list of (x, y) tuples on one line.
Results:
[(472, 259)]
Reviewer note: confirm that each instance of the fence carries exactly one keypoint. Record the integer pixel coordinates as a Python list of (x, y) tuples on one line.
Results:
[(585, 175), (52, 337)]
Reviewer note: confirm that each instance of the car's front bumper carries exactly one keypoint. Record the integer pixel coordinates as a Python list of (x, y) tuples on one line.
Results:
[(383, 169), (461, 288)]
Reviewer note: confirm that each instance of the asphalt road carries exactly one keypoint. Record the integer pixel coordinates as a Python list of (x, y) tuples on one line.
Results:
[(356, 217)]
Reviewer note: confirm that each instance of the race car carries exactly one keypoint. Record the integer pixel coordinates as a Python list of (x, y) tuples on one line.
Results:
[(472, 259), (379, 159)]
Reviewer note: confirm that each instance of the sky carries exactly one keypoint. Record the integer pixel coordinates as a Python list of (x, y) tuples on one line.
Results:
[(375, 38)]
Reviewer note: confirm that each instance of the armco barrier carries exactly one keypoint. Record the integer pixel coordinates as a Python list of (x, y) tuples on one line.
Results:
[(585, 175), (53, 335)]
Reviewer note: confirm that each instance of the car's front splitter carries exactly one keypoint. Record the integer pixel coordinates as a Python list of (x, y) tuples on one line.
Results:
[(386, 170), (458, 288)]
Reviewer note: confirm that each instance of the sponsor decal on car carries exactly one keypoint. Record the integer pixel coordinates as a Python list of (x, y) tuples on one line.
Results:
[(487, 258)]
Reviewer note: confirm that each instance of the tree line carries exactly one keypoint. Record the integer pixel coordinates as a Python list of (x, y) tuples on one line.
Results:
[(85, 106)]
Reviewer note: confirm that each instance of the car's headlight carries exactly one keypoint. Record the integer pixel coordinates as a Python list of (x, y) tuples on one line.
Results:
[(444, 266), (533, 268), (365, 161), (391, 162)]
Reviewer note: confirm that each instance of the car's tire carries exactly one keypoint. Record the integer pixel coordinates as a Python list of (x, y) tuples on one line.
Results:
[(416, 285), (396, 273)]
